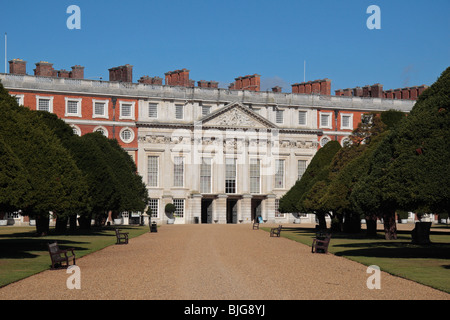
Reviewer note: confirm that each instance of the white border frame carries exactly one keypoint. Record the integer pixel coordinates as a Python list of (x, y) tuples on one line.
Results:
[(103, 128), (50, 104), (132, 135), (350, 127), (131, 117), (79, 104), (105, 113), (330, 119)]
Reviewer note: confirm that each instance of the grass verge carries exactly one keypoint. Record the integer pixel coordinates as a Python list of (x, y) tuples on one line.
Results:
[(22, 254), (425, 264)]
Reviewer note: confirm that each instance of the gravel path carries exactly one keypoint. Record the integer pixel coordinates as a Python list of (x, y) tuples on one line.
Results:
[(215, 262)]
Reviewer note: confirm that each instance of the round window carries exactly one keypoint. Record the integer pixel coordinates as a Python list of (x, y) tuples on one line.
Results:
[(324, 141), (126, 135)]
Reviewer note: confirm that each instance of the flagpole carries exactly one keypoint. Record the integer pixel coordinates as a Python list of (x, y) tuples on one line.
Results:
[(6, 53)]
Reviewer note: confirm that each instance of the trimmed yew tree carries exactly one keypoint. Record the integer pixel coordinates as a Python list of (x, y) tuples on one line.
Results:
[(293, 200), (56, 183), (410, 169)]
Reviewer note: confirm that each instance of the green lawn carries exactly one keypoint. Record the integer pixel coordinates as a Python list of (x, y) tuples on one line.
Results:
[(426, 264), (22, 254)]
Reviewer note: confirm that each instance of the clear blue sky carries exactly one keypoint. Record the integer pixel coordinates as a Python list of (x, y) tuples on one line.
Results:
[(221, 40)]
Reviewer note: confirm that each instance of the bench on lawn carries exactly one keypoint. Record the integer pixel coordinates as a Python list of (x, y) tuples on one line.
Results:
[(122, 237), (321, 242), (59, 256), (275, 231)]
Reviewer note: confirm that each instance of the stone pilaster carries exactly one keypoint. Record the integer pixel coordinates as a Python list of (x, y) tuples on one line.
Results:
[(246, 208), (220, 209), (270, 208), (196, 208)]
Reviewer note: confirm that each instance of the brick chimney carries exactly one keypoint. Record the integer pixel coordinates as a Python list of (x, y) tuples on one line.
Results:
[(179, 78), (150, 80), (45, 69), (63, 73), (17, 66), (376, 90), (77, 72), (121, 74), (325, 87), (207, 84), (248, 82), (358, 92), (315, 86), (276, 89)]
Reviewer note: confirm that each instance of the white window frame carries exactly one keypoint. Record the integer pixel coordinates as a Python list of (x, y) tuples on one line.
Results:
[(180, 208), (50, 102), (178, 171), (206, 110), (278, 214), (253, 177), (131, 137), (202, 175), (19, 99), (76, 130), (306, 117), (153, 204), (322, 139), (279, 116), (330, 117), (157, 170), (235, 175), (150, 105), (121, 104), (350, 121), (277, 174), (301, 168), (105, 131), (181, 106), (71, 114), (105, 111)]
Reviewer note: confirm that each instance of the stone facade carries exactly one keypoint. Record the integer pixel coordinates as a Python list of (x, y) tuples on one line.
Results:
[(220, 155)]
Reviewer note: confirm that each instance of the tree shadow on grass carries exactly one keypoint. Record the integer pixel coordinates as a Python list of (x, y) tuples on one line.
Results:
[(398, 249), (32, 248), (25, 244), (359, 245)]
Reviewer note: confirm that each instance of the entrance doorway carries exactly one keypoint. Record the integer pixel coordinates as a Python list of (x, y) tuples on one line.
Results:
[(207, 210), (256, 209), (232, 211)]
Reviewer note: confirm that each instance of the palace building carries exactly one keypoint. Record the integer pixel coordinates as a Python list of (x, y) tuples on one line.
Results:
[(220, 155)]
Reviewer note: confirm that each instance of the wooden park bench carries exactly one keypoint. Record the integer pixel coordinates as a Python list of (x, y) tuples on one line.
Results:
[(321, 242), (275, 231), (122, 237), (59, 256)]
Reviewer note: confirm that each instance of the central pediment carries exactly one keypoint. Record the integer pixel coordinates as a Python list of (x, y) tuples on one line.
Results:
[(235, 115)]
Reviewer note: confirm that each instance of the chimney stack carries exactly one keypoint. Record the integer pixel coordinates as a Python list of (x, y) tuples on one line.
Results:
[(63, 74), (45, 69), (179, 78), (17, 66), (151, 80), (121, 74), (77, 72), (248, 82), (276, 89)]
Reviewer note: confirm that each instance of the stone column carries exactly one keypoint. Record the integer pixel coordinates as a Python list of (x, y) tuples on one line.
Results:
[(270, 208), (246, 208), (220, 209)]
